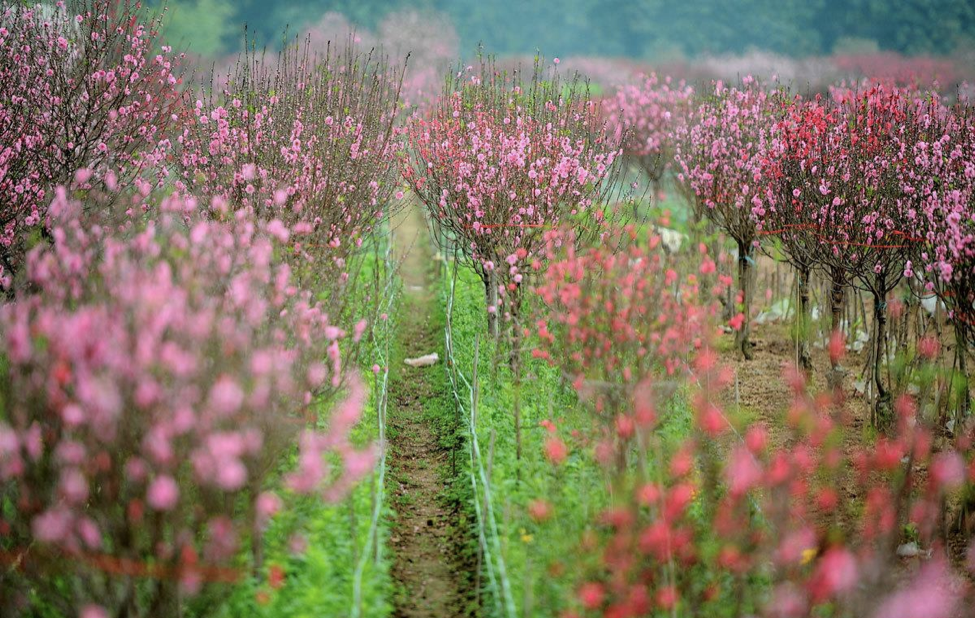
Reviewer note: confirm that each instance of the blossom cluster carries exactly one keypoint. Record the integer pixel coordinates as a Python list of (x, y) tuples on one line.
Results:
[(732, 518), (154, 376), (176, 364)]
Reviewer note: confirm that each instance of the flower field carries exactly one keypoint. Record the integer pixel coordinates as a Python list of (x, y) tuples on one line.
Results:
[(335, 332)]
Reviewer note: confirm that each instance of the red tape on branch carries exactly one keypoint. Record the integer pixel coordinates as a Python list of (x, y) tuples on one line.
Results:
[(831, 240), (114, 565)]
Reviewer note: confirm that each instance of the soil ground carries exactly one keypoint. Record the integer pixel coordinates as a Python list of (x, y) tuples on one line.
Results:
[(428, 566)]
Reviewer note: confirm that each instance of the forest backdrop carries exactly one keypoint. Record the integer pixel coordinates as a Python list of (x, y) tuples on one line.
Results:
[(638, 29)]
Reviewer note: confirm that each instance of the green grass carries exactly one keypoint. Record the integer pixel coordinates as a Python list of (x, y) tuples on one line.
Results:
[(319, 581), (531, 551)]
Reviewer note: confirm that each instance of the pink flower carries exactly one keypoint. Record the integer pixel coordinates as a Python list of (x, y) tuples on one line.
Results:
[(737, 322), (93, 611), (279, 230), (268, 503), (359, 329), (359, 463), (539, 510), (948, 470), (74, 486), (231, 474), (555, 450), (929, 347), (836, 573), (82, 176), (743, 471), (226, 396), (51, 526), (89, 533), (591, 594), (929, 595), (163, 493)]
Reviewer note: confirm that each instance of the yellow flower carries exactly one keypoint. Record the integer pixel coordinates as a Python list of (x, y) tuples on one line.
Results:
[(808, 555), (525, 537)]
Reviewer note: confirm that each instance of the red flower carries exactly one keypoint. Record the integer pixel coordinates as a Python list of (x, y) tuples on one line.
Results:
[(555, 450), (737, 322), (592, 594), (539, 510), (275, 576)]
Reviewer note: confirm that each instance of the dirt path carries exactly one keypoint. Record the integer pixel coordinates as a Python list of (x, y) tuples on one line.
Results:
[(763, 391), (428, 567)]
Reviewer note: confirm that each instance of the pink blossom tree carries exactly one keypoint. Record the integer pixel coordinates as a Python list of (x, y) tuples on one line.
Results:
[(647, 114), (719, 162), (939, 184), (153, 378), (305, 139), (502, 158), (83, 85)]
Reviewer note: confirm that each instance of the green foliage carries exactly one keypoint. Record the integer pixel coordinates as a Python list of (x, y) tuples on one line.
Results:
[(206, 27), (543, 559), (531, 550)]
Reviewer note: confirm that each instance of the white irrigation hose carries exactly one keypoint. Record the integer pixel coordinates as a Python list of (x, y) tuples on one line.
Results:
[(382, 351), (477, 462)]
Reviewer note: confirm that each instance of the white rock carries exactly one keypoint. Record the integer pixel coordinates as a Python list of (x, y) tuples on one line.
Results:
[(672, 240), (908, 550), (423, 361), (930, 303), (779, 310)]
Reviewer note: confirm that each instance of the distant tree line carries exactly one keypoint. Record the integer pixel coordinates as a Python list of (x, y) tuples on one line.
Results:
[(642, 29)]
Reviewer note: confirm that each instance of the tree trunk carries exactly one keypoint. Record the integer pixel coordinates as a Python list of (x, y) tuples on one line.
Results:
[(744, 285), (491, 293), (257, 531), (514, 361), (804, 321), (837, 299), (882, 413), (965, 399)]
